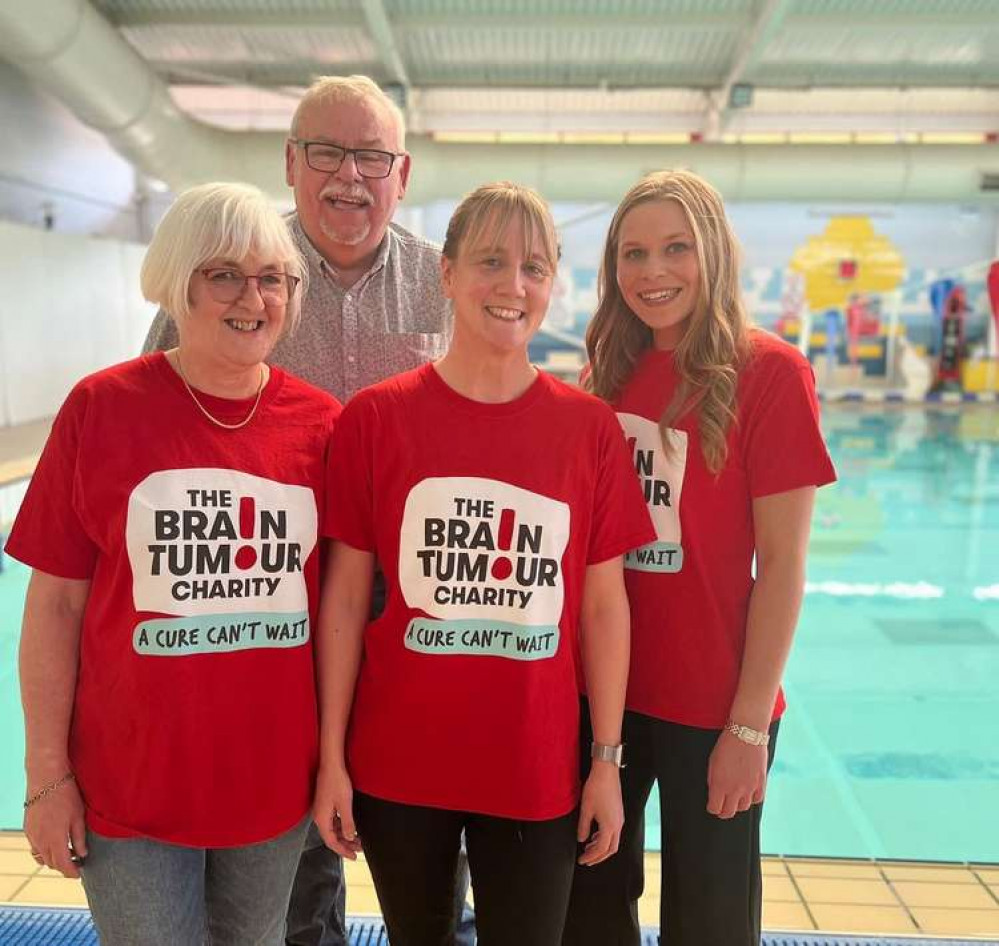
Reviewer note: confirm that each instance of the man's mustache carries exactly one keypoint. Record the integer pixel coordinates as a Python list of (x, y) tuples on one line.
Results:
[(342, 192)]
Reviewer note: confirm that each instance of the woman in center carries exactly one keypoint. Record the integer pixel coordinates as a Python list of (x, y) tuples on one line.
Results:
[(499, 502)]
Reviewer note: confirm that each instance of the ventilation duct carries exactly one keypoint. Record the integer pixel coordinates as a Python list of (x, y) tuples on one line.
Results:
[(68, 49)]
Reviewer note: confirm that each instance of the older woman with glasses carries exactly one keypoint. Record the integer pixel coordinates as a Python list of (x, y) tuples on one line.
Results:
[(166, 654)]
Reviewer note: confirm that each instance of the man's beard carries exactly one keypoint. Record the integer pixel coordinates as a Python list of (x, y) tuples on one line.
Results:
[(348, 236)]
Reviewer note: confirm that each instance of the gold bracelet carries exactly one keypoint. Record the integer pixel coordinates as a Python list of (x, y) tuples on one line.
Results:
[(48, 789)]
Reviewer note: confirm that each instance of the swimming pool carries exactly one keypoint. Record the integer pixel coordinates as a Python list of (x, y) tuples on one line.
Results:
[(889, 747)]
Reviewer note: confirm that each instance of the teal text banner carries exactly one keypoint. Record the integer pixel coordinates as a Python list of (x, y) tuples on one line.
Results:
[(220, 633), (655, 557), (482, 638)]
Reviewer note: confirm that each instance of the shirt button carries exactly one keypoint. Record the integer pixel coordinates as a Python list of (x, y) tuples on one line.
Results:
[(347, 297), (351, 359)]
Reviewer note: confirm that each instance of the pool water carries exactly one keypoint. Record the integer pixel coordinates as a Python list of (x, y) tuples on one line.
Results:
[(889, 747), (13, 584)]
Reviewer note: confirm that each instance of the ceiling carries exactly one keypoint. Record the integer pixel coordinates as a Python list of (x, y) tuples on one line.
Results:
[(902, 68)]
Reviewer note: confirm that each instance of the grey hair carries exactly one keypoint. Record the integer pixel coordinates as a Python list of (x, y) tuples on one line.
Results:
[(216, 221), (349, 89)]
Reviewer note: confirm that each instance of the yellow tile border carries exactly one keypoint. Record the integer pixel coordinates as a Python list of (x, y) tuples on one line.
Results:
[(946, 896), (832, 891), (13, 840), (833, 896), (915, 873)]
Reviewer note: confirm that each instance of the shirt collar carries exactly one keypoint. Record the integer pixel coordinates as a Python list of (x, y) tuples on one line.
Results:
[(316, 261)]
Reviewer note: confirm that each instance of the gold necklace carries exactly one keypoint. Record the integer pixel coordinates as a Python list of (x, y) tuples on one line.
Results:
[(204, 410)]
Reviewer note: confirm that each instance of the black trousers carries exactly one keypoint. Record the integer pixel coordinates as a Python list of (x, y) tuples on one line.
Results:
[(711, 881), (317, 909), (521, 872)]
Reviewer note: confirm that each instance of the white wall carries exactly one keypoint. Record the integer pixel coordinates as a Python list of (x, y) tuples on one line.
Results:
[(70, 305)]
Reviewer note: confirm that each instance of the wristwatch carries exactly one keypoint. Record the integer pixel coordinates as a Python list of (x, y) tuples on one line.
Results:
[(612, 754), (752, 737)]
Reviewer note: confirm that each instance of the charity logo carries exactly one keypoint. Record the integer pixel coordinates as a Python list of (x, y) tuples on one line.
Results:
[(662, 482), (483, 560), (222, 555)]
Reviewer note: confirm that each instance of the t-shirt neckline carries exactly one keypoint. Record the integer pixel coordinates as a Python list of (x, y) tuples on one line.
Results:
[(229, 410), (440, 388)]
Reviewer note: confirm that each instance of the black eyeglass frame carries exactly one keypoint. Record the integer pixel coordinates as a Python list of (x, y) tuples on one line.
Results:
[(391, 155)]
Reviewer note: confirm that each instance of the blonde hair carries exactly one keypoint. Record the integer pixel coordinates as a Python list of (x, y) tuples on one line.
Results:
[(493, 208), (337, 90), (216, 221), (709, 355)]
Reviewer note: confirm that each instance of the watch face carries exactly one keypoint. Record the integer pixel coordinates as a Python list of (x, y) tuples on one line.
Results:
[(749, 736)]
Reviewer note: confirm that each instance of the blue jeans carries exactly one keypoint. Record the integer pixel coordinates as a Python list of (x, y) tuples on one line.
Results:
[(146, 893), (316, 913)]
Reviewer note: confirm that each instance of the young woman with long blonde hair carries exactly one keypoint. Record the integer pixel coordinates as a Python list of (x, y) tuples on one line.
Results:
[(722, 421)]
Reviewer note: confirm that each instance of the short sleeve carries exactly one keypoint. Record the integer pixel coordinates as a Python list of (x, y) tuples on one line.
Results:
[(621, 519), (782, 440), (49, 533), (349, 515)]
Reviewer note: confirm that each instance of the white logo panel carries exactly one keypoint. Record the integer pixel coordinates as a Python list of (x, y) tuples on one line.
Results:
[(479, 548), (662, 483), (215, 541)]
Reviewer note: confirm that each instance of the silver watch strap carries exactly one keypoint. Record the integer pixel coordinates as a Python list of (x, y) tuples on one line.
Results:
[(612, 754), (752, 737)]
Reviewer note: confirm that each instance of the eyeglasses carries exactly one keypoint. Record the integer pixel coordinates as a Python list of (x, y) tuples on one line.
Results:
[(228, 285), (327, 158)]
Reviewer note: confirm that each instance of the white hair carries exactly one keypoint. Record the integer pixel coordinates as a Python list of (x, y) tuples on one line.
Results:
[(216, 221), (334, 90)]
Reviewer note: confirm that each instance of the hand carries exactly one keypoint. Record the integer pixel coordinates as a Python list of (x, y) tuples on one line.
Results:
[(333, 812), (601, 814), (56, 830), (737, 776)]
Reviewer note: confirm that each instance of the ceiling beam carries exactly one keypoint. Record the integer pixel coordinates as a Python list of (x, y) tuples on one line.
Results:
[(420, 21), (795, 77), (766, 23), (302, 73), (273, 19), (569, 21), (269, 76), (868, 21), (380, 28), (891, 20)]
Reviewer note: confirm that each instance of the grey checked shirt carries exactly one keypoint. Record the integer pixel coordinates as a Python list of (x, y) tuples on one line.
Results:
[(394, 318)]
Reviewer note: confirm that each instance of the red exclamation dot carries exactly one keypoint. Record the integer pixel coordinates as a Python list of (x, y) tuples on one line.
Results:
[(502, 567), (246, 555)]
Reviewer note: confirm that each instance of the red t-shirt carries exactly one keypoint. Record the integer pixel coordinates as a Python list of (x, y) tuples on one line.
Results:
[(194, 719), (484, 518), (689, 591)]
